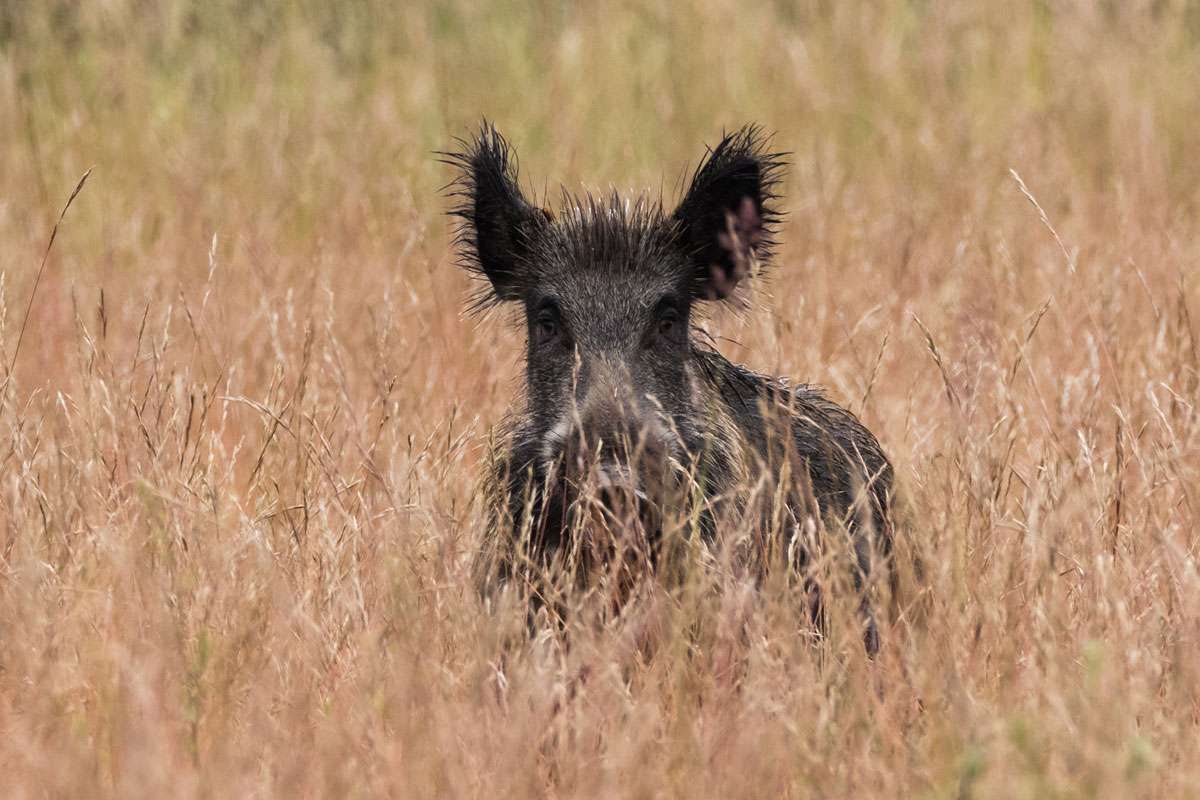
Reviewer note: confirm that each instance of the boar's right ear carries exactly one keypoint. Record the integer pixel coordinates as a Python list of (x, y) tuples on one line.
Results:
[(727, 218), (496, 222)]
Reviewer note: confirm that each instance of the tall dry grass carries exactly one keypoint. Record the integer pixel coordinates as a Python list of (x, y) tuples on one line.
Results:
[(240, 443)]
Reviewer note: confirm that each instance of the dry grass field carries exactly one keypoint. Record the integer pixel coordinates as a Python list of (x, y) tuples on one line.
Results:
[(241, 440)]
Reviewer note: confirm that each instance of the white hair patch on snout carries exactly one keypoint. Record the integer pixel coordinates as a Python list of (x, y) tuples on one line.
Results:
[(553, 441)]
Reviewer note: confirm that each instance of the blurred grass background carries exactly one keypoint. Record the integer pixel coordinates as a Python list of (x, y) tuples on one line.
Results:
[(312, 126), (243, 430), (923, 94)]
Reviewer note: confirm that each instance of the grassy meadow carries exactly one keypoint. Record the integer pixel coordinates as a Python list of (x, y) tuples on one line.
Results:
[(241, 439)]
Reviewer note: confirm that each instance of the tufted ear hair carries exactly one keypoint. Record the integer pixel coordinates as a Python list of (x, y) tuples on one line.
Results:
[(726, 219), (496, 224)]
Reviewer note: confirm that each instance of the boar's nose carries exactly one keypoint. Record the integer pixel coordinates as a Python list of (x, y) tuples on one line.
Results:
[(615, 469), (617, 454), (601, 435), (611, 480)]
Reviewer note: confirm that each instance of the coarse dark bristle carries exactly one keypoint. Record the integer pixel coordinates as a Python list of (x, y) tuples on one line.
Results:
[(612, 231)]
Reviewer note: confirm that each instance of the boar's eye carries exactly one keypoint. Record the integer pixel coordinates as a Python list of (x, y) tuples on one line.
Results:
[(545, 324), (668, 323)]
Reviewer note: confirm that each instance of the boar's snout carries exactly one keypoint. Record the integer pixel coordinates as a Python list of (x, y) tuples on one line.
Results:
[(616, 461)]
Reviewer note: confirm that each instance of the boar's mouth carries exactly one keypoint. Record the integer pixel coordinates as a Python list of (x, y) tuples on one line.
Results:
[(606, 509), (616, 495), (618, 483)]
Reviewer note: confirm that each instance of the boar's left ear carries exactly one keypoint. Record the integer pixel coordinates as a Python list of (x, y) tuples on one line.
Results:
[(726, 219), (496, 223)]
